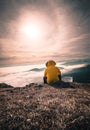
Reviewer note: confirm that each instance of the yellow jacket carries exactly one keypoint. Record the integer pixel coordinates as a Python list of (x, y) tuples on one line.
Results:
[(51, 72)]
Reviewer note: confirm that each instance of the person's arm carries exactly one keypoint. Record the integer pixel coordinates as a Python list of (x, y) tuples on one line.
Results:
[(59, 74), (45, 76), (45, 79), (59, 77)]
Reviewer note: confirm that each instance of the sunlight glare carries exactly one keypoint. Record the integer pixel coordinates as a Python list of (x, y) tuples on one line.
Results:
[(33, 31)]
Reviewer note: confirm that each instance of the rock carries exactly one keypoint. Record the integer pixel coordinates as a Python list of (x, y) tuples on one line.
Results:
[(4, 85)]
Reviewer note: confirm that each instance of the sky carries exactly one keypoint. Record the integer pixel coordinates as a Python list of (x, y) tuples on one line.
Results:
[(34, 31)]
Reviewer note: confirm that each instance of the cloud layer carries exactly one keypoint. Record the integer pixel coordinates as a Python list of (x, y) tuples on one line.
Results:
[(65, 24)]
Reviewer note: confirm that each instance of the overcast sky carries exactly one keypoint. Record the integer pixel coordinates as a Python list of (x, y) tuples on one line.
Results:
[(38, 30)]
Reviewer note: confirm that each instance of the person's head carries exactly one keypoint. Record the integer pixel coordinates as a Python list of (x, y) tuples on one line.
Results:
[(50, 62)]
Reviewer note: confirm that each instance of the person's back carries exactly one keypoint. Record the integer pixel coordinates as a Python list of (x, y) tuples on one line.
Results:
[(52, 73)]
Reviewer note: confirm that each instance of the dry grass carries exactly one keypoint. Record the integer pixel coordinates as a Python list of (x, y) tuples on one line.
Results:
[(42, 107)]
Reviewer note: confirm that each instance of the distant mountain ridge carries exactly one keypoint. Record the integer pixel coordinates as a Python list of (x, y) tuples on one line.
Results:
[(81, 75), (37, 69), (77, 61)]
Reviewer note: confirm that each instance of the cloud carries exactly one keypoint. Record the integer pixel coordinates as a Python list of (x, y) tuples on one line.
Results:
[(6, 58), (78, 38), (67, 30)]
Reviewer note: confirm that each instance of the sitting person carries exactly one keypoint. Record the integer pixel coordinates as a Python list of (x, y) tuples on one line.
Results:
[(52, 73)]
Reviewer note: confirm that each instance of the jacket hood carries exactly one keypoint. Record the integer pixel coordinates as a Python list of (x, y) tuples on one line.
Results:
[(50, 62)]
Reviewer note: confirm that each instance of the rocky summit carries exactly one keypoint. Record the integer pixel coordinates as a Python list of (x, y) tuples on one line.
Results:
[(45, 107)]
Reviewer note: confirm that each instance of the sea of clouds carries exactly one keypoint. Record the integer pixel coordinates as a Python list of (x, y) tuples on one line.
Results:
[(19, 76)]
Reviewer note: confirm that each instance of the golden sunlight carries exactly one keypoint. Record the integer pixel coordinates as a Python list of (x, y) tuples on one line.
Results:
[(32, 30)]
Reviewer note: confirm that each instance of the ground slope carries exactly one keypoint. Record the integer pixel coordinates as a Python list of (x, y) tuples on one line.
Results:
[(43, 107)]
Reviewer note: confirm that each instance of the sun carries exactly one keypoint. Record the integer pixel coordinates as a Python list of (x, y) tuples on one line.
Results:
[(33, 31)]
